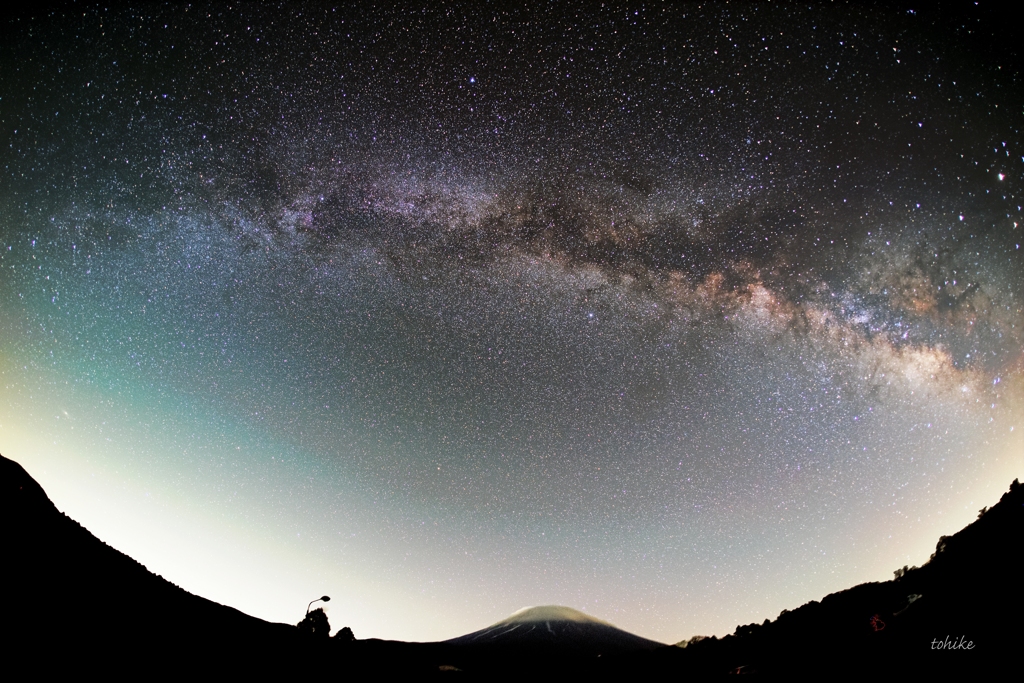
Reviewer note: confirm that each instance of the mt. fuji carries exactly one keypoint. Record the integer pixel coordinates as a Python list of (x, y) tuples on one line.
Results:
[(556, 626)]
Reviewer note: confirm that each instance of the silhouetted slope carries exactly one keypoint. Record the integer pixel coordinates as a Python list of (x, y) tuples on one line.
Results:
[(70, 600), (73, 604), (969, 592), (550, 639), (556, 627)]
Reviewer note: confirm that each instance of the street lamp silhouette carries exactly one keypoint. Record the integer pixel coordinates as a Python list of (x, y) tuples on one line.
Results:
[(324, 598)]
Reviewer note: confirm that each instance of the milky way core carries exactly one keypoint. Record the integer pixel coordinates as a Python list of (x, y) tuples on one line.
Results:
[(677, 315)]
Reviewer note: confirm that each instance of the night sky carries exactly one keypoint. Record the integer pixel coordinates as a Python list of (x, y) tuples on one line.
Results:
[(679, 316)]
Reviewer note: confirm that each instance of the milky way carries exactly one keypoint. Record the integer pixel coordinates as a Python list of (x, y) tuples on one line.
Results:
[(677, 315)]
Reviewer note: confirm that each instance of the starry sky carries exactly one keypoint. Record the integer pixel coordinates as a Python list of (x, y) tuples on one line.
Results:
[(678, 315)]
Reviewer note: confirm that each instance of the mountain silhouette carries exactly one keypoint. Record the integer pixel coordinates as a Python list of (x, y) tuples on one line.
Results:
[(73, 604), (959, 614), (556, 627)]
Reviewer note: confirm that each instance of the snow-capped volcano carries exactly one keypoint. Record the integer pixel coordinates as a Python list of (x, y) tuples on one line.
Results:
[(557, 626), (550, 613)]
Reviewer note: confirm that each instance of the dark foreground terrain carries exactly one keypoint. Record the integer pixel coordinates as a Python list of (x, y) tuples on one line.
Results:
[(958, 614)]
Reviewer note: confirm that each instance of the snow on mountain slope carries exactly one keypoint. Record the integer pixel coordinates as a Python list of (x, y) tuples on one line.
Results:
[(556, 626)]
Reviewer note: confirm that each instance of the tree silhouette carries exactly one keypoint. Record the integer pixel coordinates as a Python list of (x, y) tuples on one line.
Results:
[(900, 573), (315, 624)]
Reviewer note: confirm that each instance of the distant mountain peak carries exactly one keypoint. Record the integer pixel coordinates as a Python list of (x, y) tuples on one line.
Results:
[(556, 626), (551, 613)]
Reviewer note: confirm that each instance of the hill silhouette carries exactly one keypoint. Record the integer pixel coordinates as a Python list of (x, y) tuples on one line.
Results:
[(959, 613), (117, 615)]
